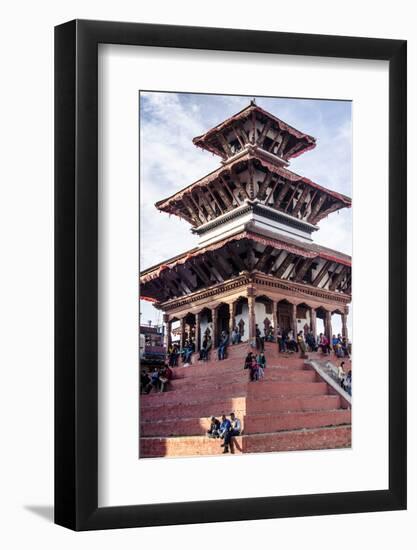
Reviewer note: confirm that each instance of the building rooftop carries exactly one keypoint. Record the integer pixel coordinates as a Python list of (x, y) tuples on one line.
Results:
[(255, 125)]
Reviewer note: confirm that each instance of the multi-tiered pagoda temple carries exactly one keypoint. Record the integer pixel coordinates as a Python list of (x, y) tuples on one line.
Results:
[(255, 262)]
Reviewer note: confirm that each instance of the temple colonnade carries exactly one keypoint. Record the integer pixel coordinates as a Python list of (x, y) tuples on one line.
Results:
[(247, 310)]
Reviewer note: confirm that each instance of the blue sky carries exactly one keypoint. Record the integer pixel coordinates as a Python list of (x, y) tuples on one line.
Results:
[(169, 161)]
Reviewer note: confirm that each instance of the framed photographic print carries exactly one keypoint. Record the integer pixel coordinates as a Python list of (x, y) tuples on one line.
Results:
[(230, 247)]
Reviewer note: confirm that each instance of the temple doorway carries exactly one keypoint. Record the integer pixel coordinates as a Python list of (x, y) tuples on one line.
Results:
[(223, 319), (284, 315), (206, 324), (241, 320), (321, 321), (189, 327), (303, 318), (264, 314)]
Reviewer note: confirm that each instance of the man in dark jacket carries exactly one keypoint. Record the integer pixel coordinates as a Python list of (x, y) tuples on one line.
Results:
[(214, 430), (145, 382), (223, 345)]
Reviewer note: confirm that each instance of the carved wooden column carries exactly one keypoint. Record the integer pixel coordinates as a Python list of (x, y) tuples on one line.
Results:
[(328, 326), (214, 334), (344, 325), (251, 315), (313, 325), (232, 315), (275, 318), (294, 320), (197, 332), (167, 335), (182, 332)]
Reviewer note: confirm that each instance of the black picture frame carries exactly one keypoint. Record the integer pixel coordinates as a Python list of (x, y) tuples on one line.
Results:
[(76, 272)]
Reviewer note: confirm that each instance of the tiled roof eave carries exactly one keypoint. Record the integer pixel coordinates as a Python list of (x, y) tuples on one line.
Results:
[(165, 205), (243, 114), (290, 245)]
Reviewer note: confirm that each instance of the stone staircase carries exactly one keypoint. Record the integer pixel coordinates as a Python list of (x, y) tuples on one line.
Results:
[(291, 408)]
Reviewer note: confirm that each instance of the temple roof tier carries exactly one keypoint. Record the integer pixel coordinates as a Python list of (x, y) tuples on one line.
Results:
[(253, 176), (286, 259), (254, 125)]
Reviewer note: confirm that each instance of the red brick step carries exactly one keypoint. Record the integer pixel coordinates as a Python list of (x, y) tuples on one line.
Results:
[(252, 424), (282, 374), (239, 405), (276, 422), (268, 404), (293, 440)]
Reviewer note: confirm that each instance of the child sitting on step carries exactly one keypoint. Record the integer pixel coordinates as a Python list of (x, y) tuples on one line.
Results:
[(260, 366)]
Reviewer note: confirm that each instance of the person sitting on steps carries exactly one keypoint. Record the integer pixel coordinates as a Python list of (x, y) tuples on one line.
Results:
[(155, 379), (291, 342), (345, 346), (262, 360), (254, 369), (248, 361), (164, 377), (269, 334), (188, 352), (311, 341), (337, 346), (259, 374), (301, 344), (348, 382), (145, 382), (235, 336), (324, 344), (214, 430)]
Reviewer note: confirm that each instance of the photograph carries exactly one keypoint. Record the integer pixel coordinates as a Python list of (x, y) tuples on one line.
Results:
[(245, 336), (207, 222)]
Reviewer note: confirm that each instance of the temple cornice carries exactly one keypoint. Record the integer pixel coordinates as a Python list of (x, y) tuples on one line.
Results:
[(257, 208), (294, 292)]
